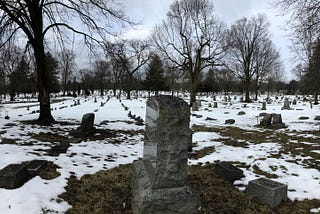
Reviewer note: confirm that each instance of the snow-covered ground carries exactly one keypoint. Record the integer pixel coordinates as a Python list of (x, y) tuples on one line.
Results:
[(88, 157)]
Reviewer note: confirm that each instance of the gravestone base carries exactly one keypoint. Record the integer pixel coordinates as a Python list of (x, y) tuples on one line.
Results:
[(267, 191), (146, 199)]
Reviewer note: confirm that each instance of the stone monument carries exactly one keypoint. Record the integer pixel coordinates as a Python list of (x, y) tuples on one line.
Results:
[(272, 121), (159, 181), (286, 105), (264, 105), (86, 128)]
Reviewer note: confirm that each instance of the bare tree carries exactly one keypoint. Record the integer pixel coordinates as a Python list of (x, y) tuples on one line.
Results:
[(129, 57), (304, 24), (249, 51), (192, 38), (101, 72), (312, 76), (36, 18), (67, 66), (266, 64), (10, 57)]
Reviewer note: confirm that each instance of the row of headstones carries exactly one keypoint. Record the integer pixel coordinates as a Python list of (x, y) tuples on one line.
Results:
[(286, 105), (138, 120), (159, 180)]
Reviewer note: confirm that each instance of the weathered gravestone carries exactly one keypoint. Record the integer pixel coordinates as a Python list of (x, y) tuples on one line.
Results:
[(195, 106), (87, 126), (286, 105), (13, 176), (87, 123), (267, 191), (159, 181), (264, 106), (294, 102), (229, 121), (215, 105), (272, 121), (228, 171)]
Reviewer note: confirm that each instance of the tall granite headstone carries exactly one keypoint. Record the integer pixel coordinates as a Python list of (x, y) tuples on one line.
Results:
[(159, 181)]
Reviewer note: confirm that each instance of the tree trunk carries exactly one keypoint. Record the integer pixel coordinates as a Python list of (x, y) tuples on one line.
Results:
[(247, 88), (42, 82), (192, 96), (256, 95), (316, 101), (193, 88), (128, 91)]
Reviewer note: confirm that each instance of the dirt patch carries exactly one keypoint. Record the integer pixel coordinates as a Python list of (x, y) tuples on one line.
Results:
[(109, 192), (50, 172), (48, 137), (104, 192), (203, 152), (8, 141)]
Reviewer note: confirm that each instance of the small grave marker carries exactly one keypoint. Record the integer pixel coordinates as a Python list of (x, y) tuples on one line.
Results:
[(228, 171), (13, 176), (267, 191)]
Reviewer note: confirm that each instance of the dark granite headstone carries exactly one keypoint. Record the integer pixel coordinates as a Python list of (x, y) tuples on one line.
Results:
[(86, 128), (264, 106), (241, 113), (267, 191), (228, 171), (272, 121), (13, 176), (87, 123), (61, 147), (195, 106), (276, 118), (294, 102), (159, 181), (286, 105), (229, 121)]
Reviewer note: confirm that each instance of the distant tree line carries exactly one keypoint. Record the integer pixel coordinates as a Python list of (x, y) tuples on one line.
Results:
[(19, 78)]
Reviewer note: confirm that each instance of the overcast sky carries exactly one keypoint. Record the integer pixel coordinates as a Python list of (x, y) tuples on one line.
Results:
[(151, 12)]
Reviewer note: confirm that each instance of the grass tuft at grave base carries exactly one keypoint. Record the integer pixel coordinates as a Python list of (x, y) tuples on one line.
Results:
[(109, 192)]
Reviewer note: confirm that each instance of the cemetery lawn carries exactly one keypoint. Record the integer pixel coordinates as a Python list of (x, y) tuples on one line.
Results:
[(93, 175)]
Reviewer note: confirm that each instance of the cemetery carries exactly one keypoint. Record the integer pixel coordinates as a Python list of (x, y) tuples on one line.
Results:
[(226, 163), (159, 107)]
